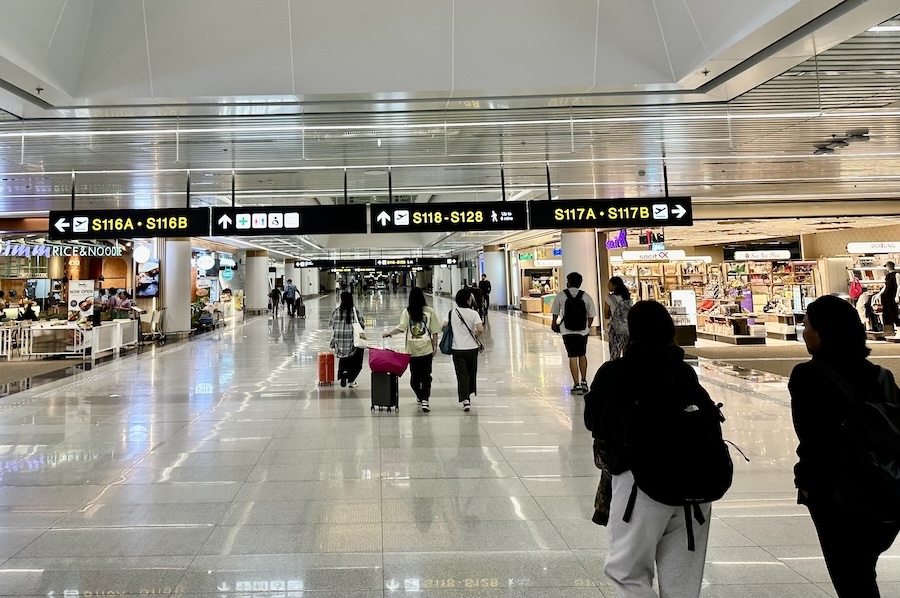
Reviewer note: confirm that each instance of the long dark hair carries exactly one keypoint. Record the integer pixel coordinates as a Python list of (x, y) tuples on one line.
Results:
[(650, 326), (620, 289), (416, 307), (346, 306), (839, 327), (462, 297)]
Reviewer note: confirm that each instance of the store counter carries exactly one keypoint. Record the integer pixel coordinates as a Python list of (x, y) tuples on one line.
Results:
[(531, 305)]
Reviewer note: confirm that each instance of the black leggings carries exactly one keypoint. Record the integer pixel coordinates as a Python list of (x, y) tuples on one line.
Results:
[(420, 376), (350, 367), (466, 365), (851, 546)]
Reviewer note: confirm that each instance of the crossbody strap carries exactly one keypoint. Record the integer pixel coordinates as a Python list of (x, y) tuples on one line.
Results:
[(475, 338)]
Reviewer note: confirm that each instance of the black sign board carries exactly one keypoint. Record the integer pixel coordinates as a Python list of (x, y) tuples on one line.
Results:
[(118, 224), (289, 220), (611, 213), (383, 264), (449, 217)]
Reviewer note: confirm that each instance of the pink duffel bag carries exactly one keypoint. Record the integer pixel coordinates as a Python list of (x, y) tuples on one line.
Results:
[(385, 361)]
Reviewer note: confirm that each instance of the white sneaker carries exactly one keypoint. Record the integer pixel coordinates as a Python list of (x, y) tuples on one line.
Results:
[(577, 390), (353, 384), (585, 388), (425, 406), (467, 404)]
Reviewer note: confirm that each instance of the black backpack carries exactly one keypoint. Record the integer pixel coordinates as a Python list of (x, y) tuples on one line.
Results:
[(675, 447), (867, 467), (575, 312)]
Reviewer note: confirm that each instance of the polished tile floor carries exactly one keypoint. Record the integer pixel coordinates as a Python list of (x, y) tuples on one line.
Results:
[(217, 467)]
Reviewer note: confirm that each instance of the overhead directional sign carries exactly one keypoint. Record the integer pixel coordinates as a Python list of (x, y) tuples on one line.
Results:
[(117, 224), (289, 220), (449, 217), (611, 213)]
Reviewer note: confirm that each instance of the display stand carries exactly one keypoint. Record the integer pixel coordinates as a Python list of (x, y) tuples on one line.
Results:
[(734, 330), (684, 314), (784, 328)]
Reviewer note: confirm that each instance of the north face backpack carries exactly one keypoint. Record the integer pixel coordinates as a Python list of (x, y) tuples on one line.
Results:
[(675, 446), (867, 465), (575, 312)]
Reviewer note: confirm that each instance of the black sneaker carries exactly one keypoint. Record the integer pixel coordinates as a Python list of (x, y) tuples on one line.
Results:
[(467, 404)]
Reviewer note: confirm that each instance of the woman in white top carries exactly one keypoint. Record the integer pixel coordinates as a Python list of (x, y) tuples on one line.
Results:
[(467, 328), (420, 325)]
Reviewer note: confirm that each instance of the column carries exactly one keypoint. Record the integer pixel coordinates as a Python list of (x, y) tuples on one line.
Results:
[(175, 283), (455, 281), (256, 293), (579, 254), (495, 269)]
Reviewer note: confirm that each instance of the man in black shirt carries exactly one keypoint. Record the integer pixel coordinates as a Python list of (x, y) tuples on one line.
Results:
[(485, 287)]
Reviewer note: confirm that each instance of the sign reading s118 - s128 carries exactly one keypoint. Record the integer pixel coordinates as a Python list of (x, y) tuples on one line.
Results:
[(449, 217), (117, 224), (611, 213)]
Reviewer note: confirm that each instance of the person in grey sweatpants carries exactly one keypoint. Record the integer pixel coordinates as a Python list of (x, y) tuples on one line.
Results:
[(654, 536)]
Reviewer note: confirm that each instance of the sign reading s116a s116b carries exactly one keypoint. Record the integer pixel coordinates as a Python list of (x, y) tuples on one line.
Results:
[(289, 220), (611, 213), (449, 217), (117, 224)]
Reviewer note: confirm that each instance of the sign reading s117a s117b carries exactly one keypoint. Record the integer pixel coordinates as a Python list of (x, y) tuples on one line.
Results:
[(611, 213), (118, 224)]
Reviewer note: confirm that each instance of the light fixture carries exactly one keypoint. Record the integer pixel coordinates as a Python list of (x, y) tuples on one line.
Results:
[(141, 254)]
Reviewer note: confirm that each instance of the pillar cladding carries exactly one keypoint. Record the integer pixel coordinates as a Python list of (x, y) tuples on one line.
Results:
[(176, 284), (495, 269), (579, 254), (256, 295)]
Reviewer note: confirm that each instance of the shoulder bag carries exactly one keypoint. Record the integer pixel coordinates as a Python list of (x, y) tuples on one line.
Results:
[(359, 335), (446, 345)]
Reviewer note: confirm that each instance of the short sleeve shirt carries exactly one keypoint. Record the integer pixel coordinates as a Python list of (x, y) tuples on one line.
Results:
[(418, 334), (462, 337), (559, 308)]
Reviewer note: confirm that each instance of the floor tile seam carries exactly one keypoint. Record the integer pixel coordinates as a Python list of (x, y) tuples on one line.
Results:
[(768, 551)]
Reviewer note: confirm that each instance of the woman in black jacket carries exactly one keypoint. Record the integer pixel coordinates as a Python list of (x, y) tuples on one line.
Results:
[(656, 535), (851, 542)]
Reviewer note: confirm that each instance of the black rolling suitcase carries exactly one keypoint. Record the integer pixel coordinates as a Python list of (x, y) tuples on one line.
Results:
[(385, 391), (301, 310)]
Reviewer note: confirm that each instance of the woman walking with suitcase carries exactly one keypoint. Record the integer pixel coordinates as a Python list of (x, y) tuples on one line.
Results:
[(350, 358), (420, 325)]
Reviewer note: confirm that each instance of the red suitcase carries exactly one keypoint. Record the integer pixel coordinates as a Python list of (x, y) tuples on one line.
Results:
[(326, 369)]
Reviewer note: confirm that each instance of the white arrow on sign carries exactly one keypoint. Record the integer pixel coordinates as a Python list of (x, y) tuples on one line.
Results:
[(679, 211), (225, 221), (383, 218), (62, 224)]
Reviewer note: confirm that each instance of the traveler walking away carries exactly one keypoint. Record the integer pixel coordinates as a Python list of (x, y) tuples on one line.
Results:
[(350, 358), (485, 287), (420, 324), (615, 309), (664, 449), (890, 296), (573, 312), (467, 329), (290, 297), (477, 300), (275, 299), (845, 411)]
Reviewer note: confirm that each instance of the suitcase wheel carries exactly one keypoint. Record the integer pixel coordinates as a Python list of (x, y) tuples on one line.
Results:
[(389, 409), (372, 408)]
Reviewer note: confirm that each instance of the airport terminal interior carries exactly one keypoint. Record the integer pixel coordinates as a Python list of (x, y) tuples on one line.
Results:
[(170, 426)]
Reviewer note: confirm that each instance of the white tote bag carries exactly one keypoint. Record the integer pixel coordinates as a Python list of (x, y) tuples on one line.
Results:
[(359, 334)]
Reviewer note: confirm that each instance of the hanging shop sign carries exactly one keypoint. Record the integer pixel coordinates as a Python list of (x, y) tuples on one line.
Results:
[(115, 224), (547, 263), (878, 247), (620, 241), (28, 251), (611, 213), (227, 274), (654, 256), (449, 217), (774, 254), (206, 262), (526, 256), (289, 220), (226, 260)]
